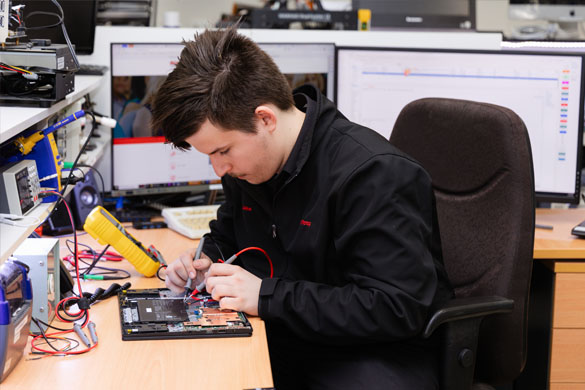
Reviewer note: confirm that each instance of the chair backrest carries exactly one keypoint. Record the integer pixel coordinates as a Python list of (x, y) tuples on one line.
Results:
[(480, 161)]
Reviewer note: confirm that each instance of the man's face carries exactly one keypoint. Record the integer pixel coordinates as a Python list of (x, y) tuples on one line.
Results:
[(122, 85), (247, 156)]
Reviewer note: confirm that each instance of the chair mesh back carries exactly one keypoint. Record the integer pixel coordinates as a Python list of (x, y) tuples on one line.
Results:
[(480, 161)]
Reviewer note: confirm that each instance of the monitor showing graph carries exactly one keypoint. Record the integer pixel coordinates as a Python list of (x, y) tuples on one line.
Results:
[(142, 163), (545, 90)]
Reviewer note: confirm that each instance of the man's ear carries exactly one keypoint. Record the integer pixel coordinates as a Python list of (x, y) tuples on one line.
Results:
[(266, 117)]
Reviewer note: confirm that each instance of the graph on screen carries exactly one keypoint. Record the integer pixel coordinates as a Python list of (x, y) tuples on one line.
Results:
[(544, 90)]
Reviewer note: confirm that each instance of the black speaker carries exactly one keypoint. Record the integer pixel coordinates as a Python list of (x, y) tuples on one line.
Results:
[(85, 196), (81, 200), (58, 222)]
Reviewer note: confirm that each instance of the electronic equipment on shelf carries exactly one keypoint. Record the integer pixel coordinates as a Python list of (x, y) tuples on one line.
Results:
[(37, 74), (15, 314), (42, 257), (192, 221), (19, 187)]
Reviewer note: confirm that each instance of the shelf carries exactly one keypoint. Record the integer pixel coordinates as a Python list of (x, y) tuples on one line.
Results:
[(12, 236), (14, 119)]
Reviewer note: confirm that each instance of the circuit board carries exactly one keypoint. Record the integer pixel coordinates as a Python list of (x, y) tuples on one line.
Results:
[(155, 314)]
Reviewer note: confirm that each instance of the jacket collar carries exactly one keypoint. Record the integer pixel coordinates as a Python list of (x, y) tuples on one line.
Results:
[(320, 113)]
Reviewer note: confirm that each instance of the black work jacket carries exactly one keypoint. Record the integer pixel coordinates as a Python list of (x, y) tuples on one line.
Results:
[(350, 227)]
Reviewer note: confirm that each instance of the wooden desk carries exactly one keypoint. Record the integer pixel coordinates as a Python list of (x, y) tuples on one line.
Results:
[(223, 363), (559, 243), (556, 345)]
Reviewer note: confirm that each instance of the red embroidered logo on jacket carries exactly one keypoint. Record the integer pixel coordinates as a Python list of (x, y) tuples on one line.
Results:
[(246, 208), (305, 223)]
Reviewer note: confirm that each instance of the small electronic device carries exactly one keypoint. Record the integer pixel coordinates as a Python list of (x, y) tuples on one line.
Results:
[(41, 147), (19, 187), (42, 257), (435, 14), (579, 230), (15, 314), (159, 314), (106, 229)]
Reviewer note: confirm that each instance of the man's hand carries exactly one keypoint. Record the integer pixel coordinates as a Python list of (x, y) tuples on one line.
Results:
[(184, 267), (234, 287)]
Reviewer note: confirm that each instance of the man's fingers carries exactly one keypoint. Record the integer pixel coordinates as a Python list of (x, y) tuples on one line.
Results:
[(201, 263), (224, 294), (219, 269), (221, 274), (221, 290), (228, 303), (187, 261), (173, 283)]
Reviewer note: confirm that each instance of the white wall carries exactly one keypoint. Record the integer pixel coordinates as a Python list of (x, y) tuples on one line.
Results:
[(198, 13)]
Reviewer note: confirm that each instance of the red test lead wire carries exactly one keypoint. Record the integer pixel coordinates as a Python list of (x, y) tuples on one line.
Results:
[(201, 286), (261, 250)]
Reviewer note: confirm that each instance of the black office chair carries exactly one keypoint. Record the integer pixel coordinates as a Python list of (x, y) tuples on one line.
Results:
[(480, 162)]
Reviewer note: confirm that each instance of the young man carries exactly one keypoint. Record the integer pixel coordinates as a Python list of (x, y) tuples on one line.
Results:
[(348, 221)]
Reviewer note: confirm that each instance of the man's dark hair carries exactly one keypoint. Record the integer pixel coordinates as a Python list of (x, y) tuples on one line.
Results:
[(221, 76)]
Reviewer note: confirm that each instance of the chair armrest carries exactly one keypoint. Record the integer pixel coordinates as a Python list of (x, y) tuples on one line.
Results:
[(463, 308)]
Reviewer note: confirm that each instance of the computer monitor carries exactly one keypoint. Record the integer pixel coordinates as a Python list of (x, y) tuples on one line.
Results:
[(439, 14), (304, 63), (80, 21), (142, 163), (545, 90)]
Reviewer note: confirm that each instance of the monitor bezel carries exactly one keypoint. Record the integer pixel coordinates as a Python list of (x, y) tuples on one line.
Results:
[(540, 196)]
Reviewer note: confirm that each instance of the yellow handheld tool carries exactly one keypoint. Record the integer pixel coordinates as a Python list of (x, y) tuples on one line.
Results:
[(106, 229)]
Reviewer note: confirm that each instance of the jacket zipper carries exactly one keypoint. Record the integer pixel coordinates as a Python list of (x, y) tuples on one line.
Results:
[(274, 203)]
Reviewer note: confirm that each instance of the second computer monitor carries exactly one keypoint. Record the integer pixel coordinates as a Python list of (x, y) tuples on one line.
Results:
[(142, 163), (546, 91)]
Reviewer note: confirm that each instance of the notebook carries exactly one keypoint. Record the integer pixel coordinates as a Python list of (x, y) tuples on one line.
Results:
[(158, 314)]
